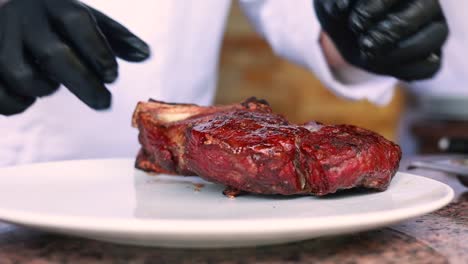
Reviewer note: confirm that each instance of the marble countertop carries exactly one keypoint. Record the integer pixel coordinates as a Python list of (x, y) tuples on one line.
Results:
[(439, 237)]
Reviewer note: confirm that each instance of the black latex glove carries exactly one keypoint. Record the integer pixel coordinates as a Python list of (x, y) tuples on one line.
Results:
[(44, 43), (400, 38)]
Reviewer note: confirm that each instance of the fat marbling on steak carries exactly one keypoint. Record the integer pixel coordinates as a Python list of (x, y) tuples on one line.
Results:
[(247, 147)]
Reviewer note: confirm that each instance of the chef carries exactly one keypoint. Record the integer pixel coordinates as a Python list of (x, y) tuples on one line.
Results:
[(68, 87)]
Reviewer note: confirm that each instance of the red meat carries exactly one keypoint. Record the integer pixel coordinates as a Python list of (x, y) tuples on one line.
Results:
[(248, 148)]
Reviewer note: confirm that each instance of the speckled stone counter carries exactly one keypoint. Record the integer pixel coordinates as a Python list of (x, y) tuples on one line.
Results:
[(439, 237)]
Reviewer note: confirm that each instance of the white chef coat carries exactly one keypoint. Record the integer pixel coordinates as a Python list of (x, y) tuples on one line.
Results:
[(185, 38)]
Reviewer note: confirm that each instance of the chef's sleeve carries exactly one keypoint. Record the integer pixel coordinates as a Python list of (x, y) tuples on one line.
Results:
[(293, 32)]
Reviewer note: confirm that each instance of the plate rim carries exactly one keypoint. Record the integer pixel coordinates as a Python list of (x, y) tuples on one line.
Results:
[(207, 227)]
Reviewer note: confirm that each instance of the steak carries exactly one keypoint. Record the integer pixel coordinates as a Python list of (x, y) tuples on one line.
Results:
[(248, 148)]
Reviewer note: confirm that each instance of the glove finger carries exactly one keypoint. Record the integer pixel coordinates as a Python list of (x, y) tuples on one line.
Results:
[(420, 70), (11, 104), (344, 39), (61, 64), (366, 12), (24, 80), (17, 73), (75, 23), (398, 25), (429, 39), (124, 43)]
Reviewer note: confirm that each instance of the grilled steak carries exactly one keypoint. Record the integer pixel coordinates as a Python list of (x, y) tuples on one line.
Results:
[(248, 148)]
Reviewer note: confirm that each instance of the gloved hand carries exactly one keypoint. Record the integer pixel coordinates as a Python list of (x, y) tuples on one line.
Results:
[(44, 43), (400, 38)]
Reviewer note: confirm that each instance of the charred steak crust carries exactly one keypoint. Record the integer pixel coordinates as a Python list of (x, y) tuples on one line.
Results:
[(248, 148)]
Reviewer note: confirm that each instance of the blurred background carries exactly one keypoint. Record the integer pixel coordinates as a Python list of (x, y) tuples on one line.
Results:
[(249, 68)]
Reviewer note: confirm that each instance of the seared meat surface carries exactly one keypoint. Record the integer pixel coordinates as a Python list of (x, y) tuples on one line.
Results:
[(248, 148)]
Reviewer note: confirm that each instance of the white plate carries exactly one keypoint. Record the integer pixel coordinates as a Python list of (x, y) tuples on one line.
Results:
[(109, 200)]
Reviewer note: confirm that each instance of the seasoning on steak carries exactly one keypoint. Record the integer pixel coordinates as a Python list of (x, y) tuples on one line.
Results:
[(248, 148)]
